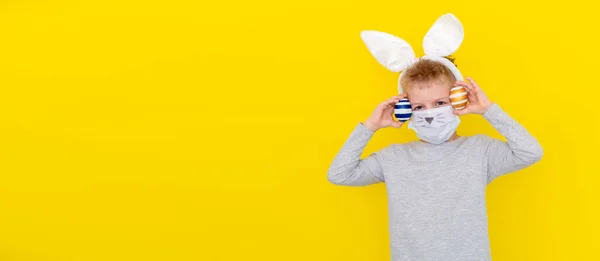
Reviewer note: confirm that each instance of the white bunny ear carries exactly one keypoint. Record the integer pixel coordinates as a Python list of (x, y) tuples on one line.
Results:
[(390, 51), (444, 37)]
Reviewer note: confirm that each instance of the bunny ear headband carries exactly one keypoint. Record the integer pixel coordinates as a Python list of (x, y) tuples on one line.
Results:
[(395, 54)]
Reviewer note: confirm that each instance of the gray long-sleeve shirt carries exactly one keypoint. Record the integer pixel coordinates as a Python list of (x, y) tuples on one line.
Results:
[(436, 193)]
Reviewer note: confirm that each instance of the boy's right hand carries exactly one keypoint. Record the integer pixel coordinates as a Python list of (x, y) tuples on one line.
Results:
[(383, 115)]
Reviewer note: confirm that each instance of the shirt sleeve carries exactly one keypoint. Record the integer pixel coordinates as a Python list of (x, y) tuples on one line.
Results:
[(519, 151), (349, 169)]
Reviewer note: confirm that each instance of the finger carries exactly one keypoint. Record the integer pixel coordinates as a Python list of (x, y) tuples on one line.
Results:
[(469, 89), (473, 99), (461, 112), (477, 90), (475, 85), (472, 90), (392, 101), (462, 83), (467, 85), (473, 94), (387, 102), (397, 124), (397, 98)]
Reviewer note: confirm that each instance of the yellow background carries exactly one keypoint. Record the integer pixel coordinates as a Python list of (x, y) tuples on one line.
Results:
[(203, 130)]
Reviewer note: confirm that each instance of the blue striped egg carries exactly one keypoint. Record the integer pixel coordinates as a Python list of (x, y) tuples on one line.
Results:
[(402, 110)]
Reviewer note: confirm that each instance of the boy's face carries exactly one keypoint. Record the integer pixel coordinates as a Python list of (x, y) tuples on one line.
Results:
[(429, 94)]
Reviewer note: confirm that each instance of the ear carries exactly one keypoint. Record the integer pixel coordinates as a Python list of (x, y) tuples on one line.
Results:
[(444, 37), (393, 53)]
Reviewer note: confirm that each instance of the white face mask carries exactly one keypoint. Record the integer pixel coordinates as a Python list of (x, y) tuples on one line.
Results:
[(435, 126)]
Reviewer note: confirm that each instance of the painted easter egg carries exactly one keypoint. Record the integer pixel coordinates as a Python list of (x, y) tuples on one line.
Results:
[(402, 110), (458, 97)]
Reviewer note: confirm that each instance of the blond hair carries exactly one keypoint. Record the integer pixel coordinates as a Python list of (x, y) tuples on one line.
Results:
[(426, 70)]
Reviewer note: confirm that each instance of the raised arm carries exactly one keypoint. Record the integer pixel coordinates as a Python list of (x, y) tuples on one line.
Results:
[(519, 151), (347, 167)]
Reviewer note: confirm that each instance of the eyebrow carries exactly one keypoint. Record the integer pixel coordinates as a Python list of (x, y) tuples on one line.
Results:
[(439, 99)]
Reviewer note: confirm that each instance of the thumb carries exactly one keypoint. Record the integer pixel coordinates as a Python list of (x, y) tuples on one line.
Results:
[(462, 112), (397, 124)]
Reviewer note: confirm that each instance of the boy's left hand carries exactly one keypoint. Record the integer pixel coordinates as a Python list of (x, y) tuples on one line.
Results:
[(478, 101)]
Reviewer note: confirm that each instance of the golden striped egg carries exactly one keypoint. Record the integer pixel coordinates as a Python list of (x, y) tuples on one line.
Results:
[(458, 97)]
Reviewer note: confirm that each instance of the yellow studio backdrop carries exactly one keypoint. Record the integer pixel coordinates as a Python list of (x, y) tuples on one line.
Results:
[(203, 130)]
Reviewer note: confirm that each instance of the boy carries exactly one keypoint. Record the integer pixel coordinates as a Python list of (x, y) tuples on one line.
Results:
[(436, 186)]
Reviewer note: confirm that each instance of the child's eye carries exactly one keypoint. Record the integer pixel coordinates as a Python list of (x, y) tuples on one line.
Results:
[(441, 103), (417, 108)]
